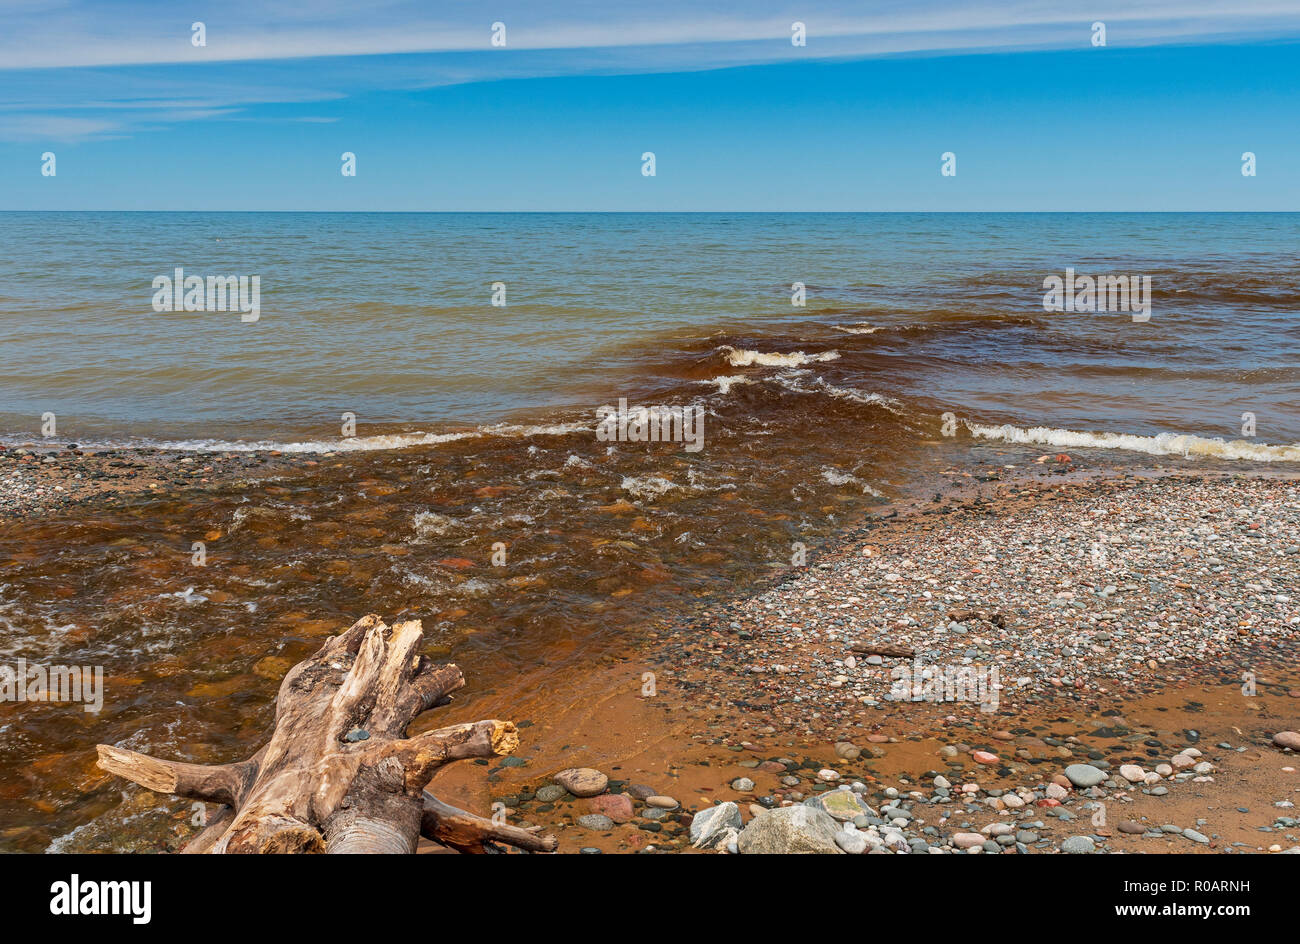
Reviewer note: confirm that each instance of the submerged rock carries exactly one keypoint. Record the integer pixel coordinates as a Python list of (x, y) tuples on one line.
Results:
[(582, 781), (1289, 739)]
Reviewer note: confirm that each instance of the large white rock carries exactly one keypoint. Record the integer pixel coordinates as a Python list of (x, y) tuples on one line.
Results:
[(790, 830), (709, 827), (851, 841)]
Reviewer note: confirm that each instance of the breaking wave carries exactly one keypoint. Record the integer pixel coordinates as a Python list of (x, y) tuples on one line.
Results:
[(1163, 444), (353, 444), (739, 357)]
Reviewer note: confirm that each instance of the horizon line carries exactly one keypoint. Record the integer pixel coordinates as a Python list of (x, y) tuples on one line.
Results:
[(659, 212)]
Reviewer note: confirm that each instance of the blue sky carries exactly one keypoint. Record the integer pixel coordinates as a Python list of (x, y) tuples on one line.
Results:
[(738, 118)]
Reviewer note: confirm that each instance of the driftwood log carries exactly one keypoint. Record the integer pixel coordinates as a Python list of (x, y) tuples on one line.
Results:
[(883, 649), (964, 616), (339, 774)]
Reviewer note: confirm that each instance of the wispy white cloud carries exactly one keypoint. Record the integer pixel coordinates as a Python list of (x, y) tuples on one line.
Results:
[(81, 34), (56, 128), (79, 70), (79, 105)]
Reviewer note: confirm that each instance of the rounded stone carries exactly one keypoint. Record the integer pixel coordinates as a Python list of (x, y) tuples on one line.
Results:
[(847, 751), (854, 843), (1289, 739), (1132, 773), (617, 806), (582, 781), (1084, 775), (595, 821)]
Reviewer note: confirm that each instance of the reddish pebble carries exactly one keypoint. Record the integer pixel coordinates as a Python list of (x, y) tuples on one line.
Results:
[(617, 806), (984, 757)]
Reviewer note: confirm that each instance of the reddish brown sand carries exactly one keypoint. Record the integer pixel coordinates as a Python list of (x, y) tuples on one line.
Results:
[(602, 721)]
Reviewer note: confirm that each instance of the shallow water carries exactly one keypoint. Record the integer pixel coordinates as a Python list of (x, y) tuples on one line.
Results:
[(389, 316)]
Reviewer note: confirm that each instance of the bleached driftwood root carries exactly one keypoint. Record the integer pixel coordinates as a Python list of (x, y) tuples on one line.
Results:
[(339, 774)]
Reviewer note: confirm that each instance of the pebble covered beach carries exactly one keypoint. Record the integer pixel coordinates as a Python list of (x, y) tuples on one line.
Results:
[(1147, 695)]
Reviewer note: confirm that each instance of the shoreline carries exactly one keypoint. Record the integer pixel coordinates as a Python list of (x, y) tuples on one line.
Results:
[(38, 482)]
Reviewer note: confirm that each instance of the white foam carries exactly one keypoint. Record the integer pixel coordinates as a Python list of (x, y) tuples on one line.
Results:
[(725, 383), (848, 393), (738, 357), (243, 511), (647, 487), (353, 444), (1164, 444), (836, 477), (430, 524), (793, 381), (862, 327)]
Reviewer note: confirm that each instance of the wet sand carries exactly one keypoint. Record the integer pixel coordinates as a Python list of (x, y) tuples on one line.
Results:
[(659, 743)]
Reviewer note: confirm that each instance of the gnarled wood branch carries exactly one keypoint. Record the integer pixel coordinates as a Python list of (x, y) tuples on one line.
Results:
[(339, 774), (472, 834)]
